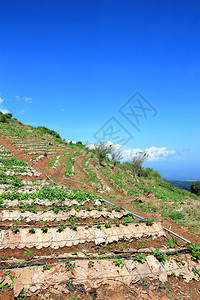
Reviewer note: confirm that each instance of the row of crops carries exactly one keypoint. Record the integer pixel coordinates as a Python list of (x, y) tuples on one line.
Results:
[(52, 236)]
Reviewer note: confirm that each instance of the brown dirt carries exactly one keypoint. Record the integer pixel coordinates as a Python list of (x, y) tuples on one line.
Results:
[(154, 290), (91, 247), (174, 288), (124, 202)]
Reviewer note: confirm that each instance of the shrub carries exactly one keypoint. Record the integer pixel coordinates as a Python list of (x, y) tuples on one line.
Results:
[(195, 188), (150, 173), (8, 116), (177, 215), (116, 156), (45, 130), (102, 151), (135, 164), (3, 118)]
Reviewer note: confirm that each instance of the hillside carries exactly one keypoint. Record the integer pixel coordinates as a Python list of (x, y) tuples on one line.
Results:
[(61, 238)]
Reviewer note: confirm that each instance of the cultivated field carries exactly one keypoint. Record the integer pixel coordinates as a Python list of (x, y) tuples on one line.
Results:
[(60, 238)]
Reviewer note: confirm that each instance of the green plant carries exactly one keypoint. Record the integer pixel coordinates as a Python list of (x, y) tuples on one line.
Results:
[(27, 253), (150, 221), (108, 224), (73, 226), (117, 223), (121, 247), (75, 252), (127, 220), (178, 259), (74, 296), (161, 256), (141, 243), (171, 242), (195, 188), (3, 285), (44, 229), (60, 228), (12, 278), (68, 265), (102, 150), (90, 264), (14, 229), (177, 215), (195, 251), (47, 266), (196, 271), (118, 263), (139, 257), (22, 295), (31, 230)]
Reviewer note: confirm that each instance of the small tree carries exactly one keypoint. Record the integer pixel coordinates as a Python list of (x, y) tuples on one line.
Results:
[(116, 156), (3, 118), (195, 188), (8, 116), (136, 163), (102, 150)]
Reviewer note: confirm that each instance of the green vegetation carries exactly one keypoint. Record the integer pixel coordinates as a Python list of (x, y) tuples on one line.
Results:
[(196, 271), (181, 184), (4, 118), (195, 188), (43, 130), (118, 263), (27, 253), (128, 178), (150, 221), (91, 174), (139, 257), (161, 256), (69, 265), (102, 150), (176, 215), (69, 164), (142, 187), (195, 251)]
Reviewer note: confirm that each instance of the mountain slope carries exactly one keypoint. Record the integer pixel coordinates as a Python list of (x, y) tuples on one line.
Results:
[(56, 226)]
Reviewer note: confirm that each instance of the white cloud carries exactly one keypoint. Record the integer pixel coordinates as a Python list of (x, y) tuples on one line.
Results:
[(160, 153), (2, 108), (28, 99), (153, 153)]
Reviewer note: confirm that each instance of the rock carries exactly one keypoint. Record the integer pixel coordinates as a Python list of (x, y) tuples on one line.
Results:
[(70, 286), (81, 288), (141, 282), (93, 294)]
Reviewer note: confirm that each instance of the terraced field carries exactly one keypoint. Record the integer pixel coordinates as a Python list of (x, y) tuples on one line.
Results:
[(61, 239)]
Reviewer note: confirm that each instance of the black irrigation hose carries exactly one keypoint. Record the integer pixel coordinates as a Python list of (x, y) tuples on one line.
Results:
[(23, 265), (30, 264)]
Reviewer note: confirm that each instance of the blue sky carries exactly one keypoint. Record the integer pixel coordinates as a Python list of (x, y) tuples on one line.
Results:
[(71, 66)]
